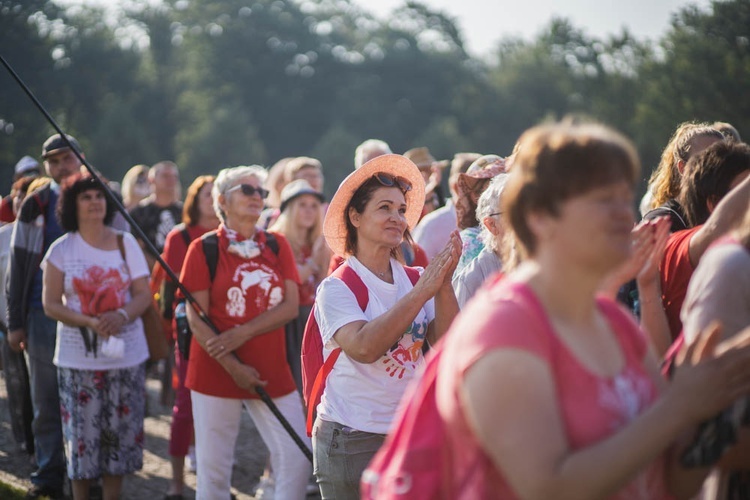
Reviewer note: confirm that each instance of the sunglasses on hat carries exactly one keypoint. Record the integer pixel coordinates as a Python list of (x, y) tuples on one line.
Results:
[(249, 190), (389, 180)]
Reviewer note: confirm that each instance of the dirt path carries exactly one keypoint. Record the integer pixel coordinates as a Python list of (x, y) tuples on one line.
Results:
[(153, 480)]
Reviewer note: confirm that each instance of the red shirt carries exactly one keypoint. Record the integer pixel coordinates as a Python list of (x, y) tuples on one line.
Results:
[(676, 271), (242, 289), (6, 210)]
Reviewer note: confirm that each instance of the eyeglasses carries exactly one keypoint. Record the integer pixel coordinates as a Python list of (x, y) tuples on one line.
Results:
[(249, 190), (389, 180), (494, 214)]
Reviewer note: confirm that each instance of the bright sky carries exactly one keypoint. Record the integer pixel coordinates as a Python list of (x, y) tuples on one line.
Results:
[(484, 22)]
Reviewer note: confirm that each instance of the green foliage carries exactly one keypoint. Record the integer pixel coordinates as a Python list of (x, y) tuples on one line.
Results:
[(212, 83)]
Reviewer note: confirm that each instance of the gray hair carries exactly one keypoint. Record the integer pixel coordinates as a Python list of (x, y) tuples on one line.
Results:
[(488, 204), (228, 177), (371, 148)]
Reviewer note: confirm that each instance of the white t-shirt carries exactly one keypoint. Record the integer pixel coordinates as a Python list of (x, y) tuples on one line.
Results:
[(434, 230), (365, 396), (97, 281)]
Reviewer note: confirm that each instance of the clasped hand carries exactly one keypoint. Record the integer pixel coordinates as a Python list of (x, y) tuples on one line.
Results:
[(439, 272), (221, 345), (107, 324)]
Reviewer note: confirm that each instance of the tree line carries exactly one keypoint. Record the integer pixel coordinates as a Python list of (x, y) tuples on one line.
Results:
[(214, 83)]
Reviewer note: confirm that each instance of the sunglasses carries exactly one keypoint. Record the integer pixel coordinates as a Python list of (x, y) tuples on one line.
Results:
[(389, 180), (249, 190)]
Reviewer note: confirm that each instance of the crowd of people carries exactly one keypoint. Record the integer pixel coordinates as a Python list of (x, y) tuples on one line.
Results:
[(573, 352)]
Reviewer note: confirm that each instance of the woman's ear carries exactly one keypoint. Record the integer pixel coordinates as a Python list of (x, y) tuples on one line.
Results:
[(354, 217), (491, 224)]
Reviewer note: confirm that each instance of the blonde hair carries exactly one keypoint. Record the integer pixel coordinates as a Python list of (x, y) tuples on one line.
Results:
[(37, 184), (665, 181), (298, 238)]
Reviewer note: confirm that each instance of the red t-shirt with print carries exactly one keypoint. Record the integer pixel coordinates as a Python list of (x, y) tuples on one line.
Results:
[(676, 271), (242, 289)]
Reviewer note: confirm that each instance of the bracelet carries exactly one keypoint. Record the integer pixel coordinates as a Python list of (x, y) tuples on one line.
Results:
[(122, 312)]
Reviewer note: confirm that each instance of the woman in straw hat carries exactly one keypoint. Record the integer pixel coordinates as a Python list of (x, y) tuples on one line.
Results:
[(381, 347)]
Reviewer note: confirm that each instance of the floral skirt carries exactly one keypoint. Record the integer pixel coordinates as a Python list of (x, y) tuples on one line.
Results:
[(102, 415)]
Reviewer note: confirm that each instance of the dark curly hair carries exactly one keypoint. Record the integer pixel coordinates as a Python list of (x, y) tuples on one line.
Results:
[(72, 186)]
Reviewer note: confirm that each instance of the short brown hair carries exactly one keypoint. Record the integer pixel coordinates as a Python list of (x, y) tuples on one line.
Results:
[(708, 175), (558, 162), (190, 211)]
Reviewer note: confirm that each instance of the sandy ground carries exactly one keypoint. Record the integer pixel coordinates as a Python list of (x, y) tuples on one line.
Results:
[(153, 480)]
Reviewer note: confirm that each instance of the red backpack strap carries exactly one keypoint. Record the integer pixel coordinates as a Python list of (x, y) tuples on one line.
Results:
[(346, 274), (318, 386), (358, 287)]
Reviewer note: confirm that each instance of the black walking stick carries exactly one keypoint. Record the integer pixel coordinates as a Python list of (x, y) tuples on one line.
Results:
[(152, 249)]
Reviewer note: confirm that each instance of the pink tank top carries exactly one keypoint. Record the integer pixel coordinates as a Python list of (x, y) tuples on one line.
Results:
[(508, 315)]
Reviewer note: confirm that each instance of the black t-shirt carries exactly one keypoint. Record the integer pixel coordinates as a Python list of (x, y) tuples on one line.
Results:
[(157, 221)]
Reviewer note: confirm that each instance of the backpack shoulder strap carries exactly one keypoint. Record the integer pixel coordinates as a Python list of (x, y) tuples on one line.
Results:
[(272, 242), (185, 235), (121, 246), (210, 242), (346, 274)]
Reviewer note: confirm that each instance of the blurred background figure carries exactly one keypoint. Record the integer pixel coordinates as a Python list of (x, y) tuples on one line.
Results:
[(198, 217), (433, 231), (369, 149), (135, 186), (469, 187), (14, 367), (664, 186), (492, 231), (274, 183), (158, 213), (432, 172), (301, 222), (25, 167)]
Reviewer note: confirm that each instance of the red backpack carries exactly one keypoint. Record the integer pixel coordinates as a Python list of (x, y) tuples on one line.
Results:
[(415, 460), (314, 370)]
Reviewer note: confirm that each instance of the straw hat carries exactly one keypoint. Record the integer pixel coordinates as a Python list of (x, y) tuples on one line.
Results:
[(334, 226), (423, 159), (484, 168)]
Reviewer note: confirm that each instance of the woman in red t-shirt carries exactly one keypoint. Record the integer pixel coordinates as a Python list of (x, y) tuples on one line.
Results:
[(254, 293), (301, 222), (198, 217), (548, 391)]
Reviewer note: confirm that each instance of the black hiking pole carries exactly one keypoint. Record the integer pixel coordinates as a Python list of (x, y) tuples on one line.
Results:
[(152, 249)]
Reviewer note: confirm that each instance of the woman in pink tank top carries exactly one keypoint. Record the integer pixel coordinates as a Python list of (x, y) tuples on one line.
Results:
[(549, 391)]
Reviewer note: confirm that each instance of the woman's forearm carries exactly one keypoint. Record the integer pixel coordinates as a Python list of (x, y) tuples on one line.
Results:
[(138, 304), (602, 469), (369, 342), (61, 313)]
